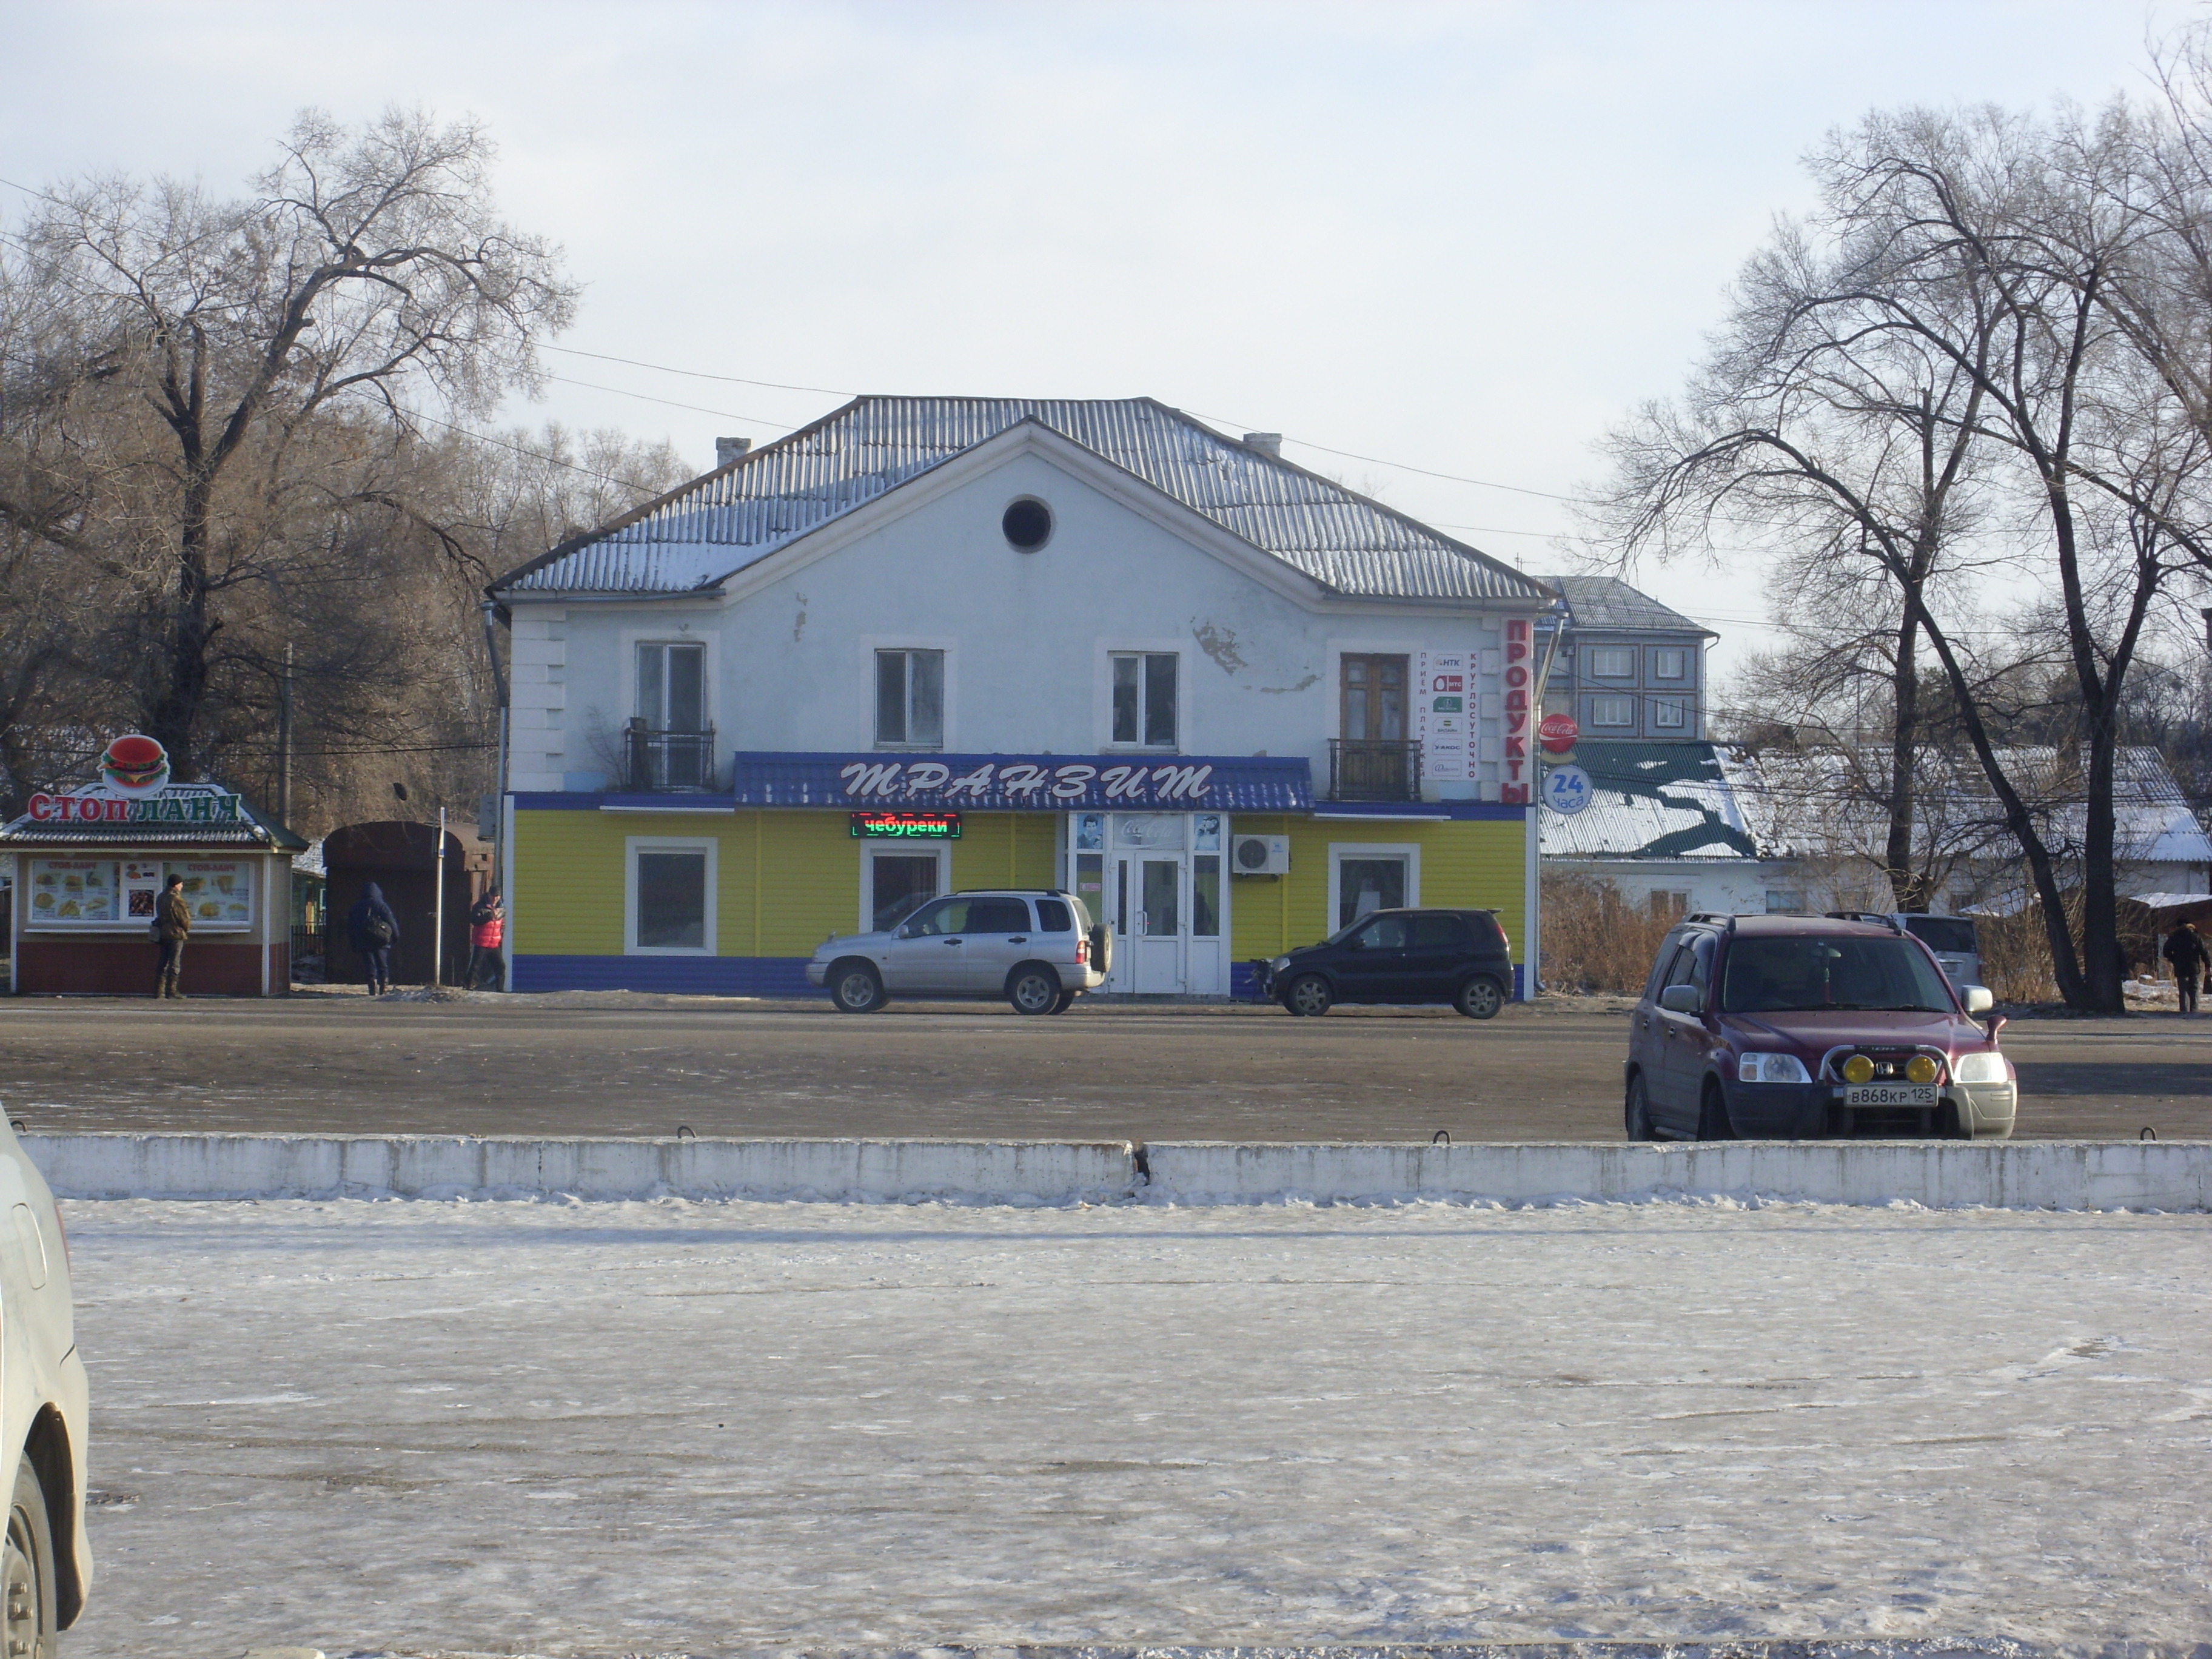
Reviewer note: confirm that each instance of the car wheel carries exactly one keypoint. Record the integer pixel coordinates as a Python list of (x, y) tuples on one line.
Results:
[(1034, 990), (1480, 998), (26, 1572), (1309, 995), (855, 988), (1067, 1001), (1638, 1113), (1712, 1115)]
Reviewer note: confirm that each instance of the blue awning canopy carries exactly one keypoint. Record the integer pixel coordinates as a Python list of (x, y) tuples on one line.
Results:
[(1043, 783)]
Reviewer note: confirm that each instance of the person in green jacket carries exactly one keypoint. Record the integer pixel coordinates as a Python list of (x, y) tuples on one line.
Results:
[(173, 923)]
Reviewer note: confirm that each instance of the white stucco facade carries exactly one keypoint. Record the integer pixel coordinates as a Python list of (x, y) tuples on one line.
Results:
[(1026, 636)]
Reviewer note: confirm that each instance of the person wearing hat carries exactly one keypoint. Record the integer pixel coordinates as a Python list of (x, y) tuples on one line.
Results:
[(2190, 958), (173, 923)]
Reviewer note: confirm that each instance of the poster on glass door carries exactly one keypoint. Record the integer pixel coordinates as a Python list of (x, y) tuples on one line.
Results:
[(1445, 706)]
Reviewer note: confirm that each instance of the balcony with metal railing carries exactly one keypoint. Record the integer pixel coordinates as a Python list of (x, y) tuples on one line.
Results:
[(668, 762), (1374, 769)]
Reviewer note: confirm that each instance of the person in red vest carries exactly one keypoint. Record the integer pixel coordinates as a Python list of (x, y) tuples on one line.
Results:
[(487, 930)]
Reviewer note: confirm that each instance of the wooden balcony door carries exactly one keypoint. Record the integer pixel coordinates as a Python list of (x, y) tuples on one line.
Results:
[(1374, 693)]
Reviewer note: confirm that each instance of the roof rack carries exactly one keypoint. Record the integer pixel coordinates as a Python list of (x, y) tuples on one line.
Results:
[(1888, 922), (1729, 921)]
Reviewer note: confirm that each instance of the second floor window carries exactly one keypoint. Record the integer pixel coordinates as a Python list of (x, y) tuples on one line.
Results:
[(910, 698), (672, 687), (1145, 698), (1670, 662), (1613, 711), (1611, 662), (1669, 714), (1374, 708)]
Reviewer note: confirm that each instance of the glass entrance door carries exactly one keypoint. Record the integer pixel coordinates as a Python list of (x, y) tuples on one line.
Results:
[(1165, 896)]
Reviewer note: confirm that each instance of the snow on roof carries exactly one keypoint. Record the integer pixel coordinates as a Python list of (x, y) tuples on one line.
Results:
[(1657, 801), (708, 529)]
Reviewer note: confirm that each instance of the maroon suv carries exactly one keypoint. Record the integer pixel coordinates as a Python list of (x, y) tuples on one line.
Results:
[(1794, 1028)]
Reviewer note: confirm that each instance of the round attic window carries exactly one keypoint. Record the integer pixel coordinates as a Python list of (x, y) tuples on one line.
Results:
[(1028, 524)]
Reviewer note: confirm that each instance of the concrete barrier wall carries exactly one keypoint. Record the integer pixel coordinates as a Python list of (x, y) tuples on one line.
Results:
[(1941, 1175), (2071, 1175), (435, 1166)]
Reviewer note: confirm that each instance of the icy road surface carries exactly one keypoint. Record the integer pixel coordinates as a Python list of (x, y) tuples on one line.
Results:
[(703, 1428)]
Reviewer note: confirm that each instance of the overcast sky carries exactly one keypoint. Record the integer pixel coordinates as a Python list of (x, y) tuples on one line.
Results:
[(1459, 238)]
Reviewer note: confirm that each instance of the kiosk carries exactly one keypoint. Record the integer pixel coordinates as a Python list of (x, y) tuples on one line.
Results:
[(90, 865)]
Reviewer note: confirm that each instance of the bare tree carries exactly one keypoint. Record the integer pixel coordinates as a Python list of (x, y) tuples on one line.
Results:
[(1954, 298), (231, 388)]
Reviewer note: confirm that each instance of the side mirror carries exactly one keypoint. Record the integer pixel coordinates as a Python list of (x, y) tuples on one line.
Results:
[(1682, 999), (1979, 998)]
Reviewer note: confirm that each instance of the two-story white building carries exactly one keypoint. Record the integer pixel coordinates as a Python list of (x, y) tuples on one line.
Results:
[(935, 643)]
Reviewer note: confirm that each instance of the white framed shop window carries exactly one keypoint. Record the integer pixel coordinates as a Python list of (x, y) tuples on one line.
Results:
[(898, 878), (669, 896), (1364, 876)]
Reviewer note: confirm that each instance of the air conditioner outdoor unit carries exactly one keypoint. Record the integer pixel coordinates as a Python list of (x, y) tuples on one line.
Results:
[(1260, 855)]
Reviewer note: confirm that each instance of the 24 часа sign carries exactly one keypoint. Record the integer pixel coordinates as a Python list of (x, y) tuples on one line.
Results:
[(1059, 783)]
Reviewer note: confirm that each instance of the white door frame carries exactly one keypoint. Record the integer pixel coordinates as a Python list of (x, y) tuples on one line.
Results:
[(872, 850), (1340, 850)]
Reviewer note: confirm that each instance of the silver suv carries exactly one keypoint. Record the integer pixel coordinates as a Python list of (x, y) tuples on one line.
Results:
[(1036, 948)]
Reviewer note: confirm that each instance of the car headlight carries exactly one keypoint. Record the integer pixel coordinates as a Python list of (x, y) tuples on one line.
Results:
[(1770, 1068), (1279, 963), (1987, 1067)]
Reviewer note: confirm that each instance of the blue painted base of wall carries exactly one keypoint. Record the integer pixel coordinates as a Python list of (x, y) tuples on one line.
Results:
[(1244, 982), (748, 976), (697, 977)]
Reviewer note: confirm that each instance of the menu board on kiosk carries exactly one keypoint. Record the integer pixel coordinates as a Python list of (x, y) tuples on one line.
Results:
[(111, 894), (219, 893), (72, 893)]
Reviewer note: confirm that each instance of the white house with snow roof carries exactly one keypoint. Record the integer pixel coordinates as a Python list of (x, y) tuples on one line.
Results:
[(935, 643)]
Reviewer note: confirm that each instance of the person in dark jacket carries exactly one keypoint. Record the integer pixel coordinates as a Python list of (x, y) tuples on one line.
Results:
[(172, 925), (2190, 958), (373, 929)]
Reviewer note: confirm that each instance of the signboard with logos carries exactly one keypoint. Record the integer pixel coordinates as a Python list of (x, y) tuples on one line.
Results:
[(1444, 710)]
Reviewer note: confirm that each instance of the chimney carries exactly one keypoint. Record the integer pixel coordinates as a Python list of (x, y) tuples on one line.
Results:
[(728, 449), (1267, 443)]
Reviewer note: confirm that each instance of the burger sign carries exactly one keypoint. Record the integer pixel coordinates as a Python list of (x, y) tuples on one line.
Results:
[(134, 788), (135, 764)]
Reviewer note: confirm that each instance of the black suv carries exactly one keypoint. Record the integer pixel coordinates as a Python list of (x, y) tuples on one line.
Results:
[(1459, 957)]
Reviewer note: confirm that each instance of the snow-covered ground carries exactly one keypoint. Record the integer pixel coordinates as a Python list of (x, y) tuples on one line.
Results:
[(704, 1428)]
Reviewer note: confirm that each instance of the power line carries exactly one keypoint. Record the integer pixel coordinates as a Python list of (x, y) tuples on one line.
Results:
[(696, 374), (727, 415)]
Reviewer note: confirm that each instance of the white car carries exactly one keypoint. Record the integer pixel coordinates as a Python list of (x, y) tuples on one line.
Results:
[(1037, 949), (46, 1565)]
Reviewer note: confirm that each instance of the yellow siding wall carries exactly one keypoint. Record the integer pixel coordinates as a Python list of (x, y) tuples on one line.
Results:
[(565, 888), (565, 892), (1477, 865), (1005, 849)]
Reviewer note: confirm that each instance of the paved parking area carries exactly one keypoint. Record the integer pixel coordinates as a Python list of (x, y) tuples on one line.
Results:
[(705, 1429), (584, 1063)]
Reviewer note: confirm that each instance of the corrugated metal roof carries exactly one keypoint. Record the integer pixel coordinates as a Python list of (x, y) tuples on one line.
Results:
[(249, 831), (1603, 602), (716, 526)]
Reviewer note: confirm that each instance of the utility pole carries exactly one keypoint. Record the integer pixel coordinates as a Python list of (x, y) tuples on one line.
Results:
[(438, 910), (284, 741)]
